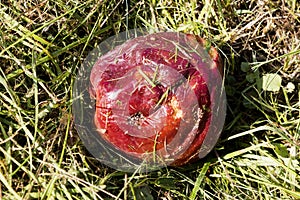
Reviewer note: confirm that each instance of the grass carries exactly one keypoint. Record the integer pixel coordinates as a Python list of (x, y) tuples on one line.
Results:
[(43, 44)]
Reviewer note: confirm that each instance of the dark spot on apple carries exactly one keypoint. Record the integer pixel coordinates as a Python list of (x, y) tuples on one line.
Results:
[(136, 119)]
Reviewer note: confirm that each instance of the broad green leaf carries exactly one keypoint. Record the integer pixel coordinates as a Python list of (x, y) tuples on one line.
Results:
[(271, 82), (166, 182)]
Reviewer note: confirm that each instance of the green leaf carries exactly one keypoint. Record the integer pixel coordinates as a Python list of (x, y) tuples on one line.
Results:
[(271, 82), (245, 66), (199, 181), (166, 182), (281, 150), (251, 77)]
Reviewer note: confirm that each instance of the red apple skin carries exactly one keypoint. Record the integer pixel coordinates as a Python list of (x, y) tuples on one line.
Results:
[(200, 90), (144, 99)]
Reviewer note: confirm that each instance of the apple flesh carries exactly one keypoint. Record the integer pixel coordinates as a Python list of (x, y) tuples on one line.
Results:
[(153, 100)]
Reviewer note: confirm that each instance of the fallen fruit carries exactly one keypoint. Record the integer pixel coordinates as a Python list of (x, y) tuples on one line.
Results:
[(155, 96)]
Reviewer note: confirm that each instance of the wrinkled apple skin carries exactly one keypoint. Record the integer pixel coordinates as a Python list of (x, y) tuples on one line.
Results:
[(139, 106)]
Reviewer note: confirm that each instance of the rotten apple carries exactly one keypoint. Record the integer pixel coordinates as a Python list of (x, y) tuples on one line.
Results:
[(153, 100)]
